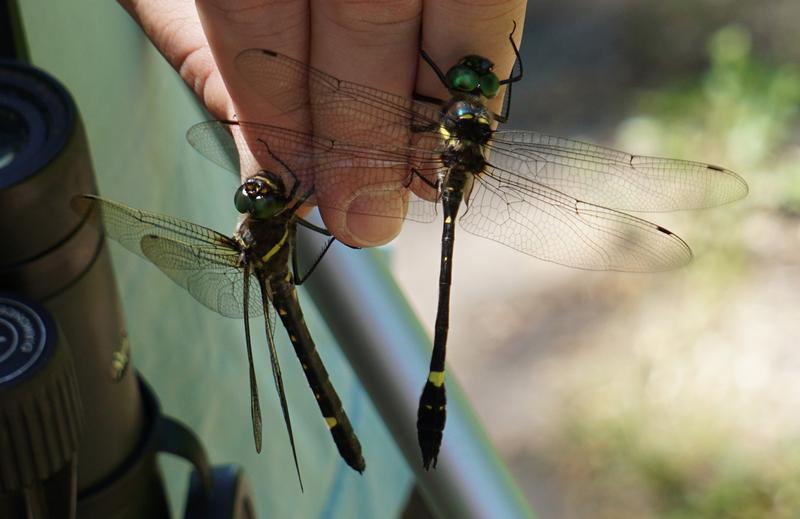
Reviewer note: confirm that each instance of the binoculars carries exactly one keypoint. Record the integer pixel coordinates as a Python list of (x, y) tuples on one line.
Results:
[(79, 428)]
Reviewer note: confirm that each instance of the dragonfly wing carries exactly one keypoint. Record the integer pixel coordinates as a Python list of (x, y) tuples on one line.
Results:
[(128, 225), (255, 404), (612, 178), (276, 371), (552, 226), (212, 275), (328, 166), (215, 141), (350, 111)]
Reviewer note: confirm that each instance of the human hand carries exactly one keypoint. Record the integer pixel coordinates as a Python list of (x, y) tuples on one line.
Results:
[(373, 42)]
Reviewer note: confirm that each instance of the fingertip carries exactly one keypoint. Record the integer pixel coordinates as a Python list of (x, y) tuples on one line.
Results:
[(360, 226), (371, 231)]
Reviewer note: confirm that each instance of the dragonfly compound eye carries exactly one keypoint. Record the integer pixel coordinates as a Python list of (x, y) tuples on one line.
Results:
[(242, 201), (266, 207), (462, 78), (489, 84)]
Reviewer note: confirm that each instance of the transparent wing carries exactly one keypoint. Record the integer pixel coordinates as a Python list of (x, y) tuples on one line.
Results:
[(203, 261), (333, 168), (255, 404), (214, 140), (212, 275), (128, 225), (552, 226), (277, 376), (346, 110), (613, 178), (587, 172)]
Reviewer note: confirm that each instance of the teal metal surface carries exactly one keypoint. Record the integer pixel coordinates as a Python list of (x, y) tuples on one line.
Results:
[(136, 111)]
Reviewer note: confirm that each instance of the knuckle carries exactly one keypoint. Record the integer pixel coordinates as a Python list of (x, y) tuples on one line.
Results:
[(489, 9), (253, 12), (373, 15)]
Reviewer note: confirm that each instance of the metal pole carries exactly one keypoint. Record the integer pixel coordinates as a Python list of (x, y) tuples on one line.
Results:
[(389, 351)]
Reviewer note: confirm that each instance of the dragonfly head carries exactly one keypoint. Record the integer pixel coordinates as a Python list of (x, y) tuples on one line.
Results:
[(473, 74), (261, 196)]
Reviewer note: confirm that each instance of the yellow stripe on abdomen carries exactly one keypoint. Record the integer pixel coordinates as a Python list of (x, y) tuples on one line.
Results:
[(436, 378)]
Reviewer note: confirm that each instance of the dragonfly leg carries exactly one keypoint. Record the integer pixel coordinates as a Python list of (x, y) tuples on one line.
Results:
[(296, 185), (299, 279), (310, 226), (512, 78), (427, 99), (435, 68), (415, 173), (321, 230), (517, 63)]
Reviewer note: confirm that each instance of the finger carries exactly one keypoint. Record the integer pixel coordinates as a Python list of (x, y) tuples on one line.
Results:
[(232, 26), (376, 44), (175, 30), (453, 29)]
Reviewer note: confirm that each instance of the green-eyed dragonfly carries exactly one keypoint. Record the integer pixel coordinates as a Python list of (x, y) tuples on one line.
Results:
[(556, 199), (218, 270)]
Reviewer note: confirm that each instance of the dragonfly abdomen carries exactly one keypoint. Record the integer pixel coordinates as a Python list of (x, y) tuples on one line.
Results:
[(284, 299), (432, 415)]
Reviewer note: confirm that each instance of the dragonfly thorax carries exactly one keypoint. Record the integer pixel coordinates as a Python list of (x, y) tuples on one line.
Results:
[(466, 127), (265, 243), (467, 120)]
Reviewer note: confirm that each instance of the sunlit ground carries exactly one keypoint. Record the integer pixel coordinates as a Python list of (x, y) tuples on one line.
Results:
[(650, 395)]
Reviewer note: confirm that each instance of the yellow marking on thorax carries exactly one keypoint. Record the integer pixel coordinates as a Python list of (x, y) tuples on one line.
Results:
[(483, 120), (436, 378), (276, 248), (331, 421), (466, 116), (444, 132)]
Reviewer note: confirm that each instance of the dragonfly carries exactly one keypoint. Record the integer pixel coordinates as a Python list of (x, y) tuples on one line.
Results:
[(218, 270), (557, 199)]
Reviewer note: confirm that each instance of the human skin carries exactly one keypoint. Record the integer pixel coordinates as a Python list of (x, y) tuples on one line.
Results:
[(372, 42)]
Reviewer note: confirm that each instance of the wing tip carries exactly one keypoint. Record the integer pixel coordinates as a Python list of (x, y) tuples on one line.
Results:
[(740, 189)]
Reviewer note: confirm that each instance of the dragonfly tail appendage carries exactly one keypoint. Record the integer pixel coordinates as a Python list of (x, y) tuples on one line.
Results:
[(431, 418)]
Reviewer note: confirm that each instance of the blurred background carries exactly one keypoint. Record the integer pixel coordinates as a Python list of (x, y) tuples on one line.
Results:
[(655, 395), (609, 395)]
